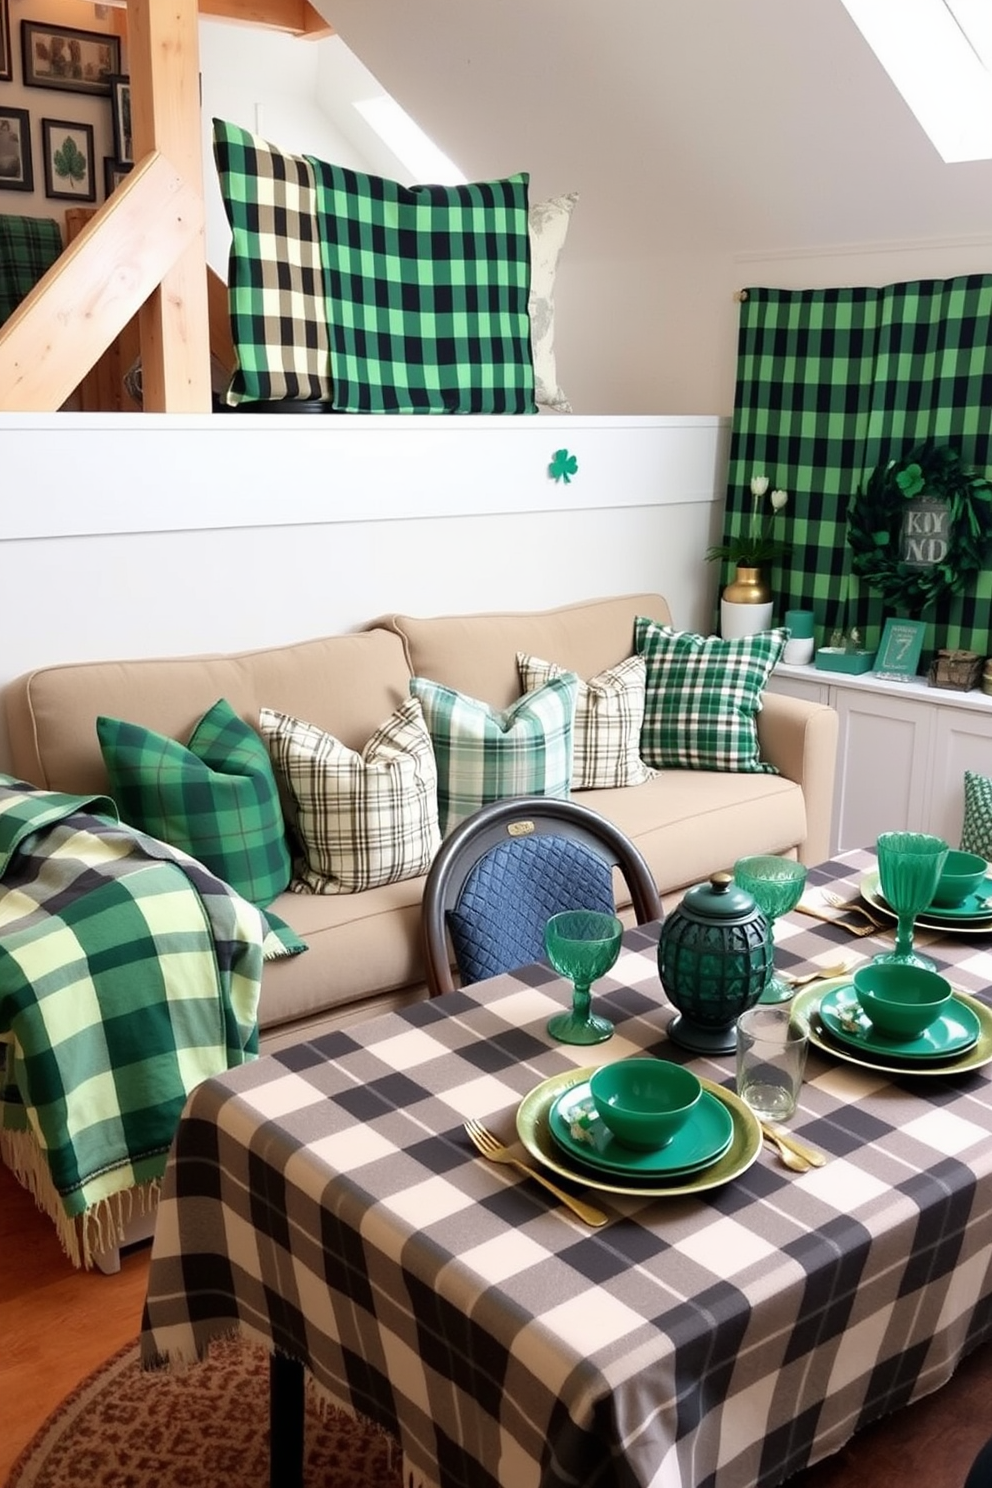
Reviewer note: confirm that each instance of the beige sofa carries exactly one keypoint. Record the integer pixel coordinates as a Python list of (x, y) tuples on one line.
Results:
[(364, 952)]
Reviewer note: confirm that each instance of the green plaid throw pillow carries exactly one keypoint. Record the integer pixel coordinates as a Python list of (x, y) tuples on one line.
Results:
[(484, 755), (609, 712), (363, 819), (216, 798), (976, 833), (275, 279), (703, 697), (427, 290)]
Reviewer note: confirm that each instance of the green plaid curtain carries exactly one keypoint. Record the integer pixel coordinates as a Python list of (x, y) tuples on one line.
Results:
[(831, 383)]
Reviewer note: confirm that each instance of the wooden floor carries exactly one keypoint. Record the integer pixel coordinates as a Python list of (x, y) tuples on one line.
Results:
[(57, 1324)]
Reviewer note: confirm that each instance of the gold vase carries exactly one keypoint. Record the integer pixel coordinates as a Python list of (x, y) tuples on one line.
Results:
[(748, 586), (745, 604)]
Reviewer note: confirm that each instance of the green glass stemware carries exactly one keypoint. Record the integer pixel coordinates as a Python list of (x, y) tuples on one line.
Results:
[(776, 885), (582, 945), (909, 865)]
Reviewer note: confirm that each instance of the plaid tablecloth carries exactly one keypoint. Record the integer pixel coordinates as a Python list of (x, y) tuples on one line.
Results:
[(326, 1201)]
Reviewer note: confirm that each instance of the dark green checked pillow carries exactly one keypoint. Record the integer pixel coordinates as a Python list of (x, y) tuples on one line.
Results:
[(427, 294), (215, 798), (275, 293), (704, 696)]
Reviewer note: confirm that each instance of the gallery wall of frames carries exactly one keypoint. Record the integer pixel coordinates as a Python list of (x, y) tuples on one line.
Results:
[(65, 107)]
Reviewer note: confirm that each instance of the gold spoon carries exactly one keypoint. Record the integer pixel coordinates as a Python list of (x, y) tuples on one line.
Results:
[(790, 1158), (821, 973)]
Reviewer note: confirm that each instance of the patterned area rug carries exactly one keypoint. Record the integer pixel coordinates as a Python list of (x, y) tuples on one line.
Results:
[(207, 1426)]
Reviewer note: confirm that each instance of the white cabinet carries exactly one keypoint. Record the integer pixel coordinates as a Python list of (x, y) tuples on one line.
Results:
[(902, 752)]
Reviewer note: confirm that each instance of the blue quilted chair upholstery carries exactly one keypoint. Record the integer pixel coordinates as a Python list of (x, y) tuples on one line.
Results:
[(501, 874), (511, 894)]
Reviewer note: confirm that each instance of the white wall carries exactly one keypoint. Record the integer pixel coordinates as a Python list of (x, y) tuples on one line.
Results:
[(159, 534)]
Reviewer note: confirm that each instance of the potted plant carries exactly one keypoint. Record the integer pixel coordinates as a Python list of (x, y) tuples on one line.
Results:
[(746, 602)]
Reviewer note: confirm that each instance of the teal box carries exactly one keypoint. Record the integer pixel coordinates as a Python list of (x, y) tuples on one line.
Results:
[(834, 659)]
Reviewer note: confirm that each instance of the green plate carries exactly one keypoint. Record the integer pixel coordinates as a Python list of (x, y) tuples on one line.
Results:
[(955, 921), (580, 1132), (805, 1006), (953, 1032), (535, 1134)]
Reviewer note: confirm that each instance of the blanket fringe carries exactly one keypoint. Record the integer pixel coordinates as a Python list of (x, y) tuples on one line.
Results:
[(100, 1228)]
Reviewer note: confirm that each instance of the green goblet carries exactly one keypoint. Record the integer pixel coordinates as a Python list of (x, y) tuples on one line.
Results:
[(776, 885), (582, 945), (909, 865)]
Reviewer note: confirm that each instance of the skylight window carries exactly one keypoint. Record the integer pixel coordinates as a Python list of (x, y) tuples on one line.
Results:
[(408, 142), (939, 55)]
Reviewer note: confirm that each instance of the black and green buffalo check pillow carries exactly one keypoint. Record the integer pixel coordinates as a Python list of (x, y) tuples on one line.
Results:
[(704, 696), (275, 284), (215, 798), (427, 291)]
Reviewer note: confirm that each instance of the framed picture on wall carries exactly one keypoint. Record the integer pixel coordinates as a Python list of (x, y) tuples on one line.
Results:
[(73, 61), (120, 113), (113, 174), (16, 172), (68, 152), (6, 72)]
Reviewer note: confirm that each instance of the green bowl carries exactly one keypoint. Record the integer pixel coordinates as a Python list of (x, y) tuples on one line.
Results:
[(644, 1102), (963, 872), (901, 1001)]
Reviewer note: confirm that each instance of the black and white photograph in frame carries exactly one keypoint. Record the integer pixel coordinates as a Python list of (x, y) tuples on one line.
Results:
[(67, 148), (16, 171), (6, 69), (120, 113)]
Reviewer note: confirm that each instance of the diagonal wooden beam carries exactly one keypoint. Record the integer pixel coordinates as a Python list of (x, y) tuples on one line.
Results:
[(100, 281)]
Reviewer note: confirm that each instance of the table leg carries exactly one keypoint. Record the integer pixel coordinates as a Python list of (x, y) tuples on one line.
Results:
[(285, 1422)]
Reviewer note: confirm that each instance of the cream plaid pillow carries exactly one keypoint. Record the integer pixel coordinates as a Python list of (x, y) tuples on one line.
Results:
[(609, 711), (363, 819)]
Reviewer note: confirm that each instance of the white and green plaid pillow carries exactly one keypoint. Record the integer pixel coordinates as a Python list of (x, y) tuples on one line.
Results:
[(976, 833), (704, 696), (484, 755), (609, 712), (363, 819), (275, 275)]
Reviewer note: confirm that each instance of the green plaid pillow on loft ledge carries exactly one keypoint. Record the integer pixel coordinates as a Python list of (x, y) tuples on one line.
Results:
[(427, 290)]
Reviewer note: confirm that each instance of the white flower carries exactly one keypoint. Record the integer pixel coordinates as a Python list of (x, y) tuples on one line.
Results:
[(759, 485), (779, 499)]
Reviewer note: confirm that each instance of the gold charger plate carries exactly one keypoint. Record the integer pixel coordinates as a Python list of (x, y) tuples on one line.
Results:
[(805, 1006), (535, 1134), (869, 891)]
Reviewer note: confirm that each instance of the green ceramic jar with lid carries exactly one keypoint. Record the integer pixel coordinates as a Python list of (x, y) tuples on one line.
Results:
[(714, 958)]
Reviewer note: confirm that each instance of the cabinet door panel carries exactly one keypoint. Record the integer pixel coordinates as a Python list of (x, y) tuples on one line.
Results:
[(885, 755), (962, 741)]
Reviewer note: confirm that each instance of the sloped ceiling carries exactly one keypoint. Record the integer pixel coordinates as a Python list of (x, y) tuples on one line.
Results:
[(736, 125)]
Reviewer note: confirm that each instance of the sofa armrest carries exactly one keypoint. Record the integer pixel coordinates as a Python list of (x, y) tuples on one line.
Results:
[(800, 738)]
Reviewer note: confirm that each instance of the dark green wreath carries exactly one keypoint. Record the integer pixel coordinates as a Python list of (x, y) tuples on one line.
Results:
[(875, 516)]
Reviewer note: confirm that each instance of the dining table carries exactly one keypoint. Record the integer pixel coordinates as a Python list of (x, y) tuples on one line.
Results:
[(723, 1330)]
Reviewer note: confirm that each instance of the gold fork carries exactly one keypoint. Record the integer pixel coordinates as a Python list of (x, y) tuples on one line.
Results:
[(868, 928), (493, 1149), (837, 901)]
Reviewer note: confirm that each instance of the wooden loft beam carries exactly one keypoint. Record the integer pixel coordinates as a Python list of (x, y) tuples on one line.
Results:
[(297, 17)]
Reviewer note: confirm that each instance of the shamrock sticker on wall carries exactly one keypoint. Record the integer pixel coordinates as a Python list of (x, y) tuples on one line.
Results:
[(563, 466)]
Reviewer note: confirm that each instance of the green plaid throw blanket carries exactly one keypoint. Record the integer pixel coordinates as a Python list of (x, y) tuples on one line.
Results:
[(128, 974), (28, 248)]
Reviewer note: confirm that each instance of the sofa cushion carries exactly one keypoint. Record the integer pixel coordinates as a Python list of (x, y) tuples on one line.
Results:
[(364, 819), (484, 755), (609, 712), (976, 831), (216, 798), (477, 654), (703, 697)]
